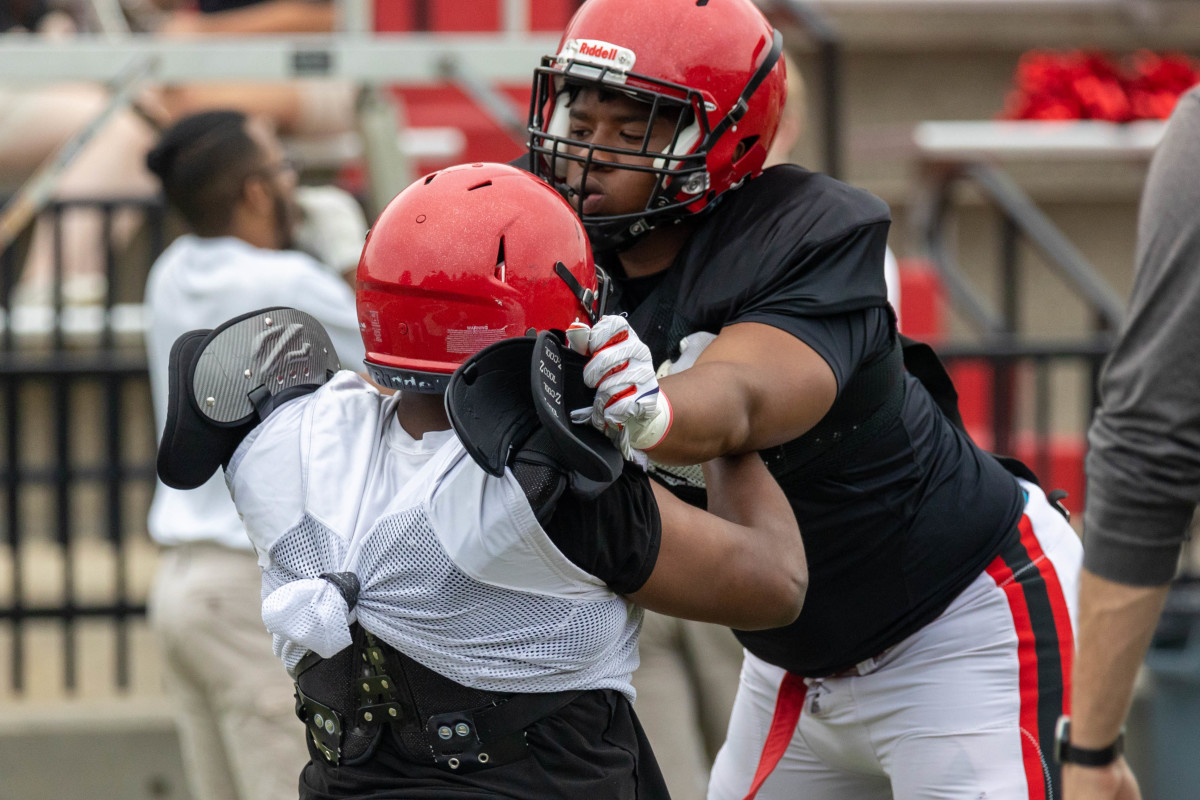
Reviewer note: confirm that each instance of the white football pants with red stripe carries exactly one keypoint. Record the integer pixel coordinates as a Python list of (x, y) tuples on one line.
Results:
[(965, 708)]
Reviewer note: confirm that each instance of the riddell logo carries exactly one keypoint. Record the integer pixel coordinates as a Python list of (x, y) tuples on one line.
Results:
[(598, 51), (615, 59)]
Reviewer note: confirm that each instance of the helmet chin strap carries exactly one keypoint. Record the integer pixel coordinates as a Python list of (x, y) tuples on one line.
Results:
[(593, 301), (615, 237), (743, 102)]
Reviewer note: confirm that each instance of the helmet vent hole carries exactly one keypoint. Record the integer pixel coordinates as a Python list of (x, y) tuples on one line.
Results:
[(479, 186), (701, 2), (500, 266), (429, 179)]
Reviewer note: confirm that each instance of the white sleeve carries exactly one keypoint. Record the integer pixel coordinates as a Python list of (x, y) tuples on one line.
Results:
[(489, 531), (295, 279), (266, 476), (891, 275)]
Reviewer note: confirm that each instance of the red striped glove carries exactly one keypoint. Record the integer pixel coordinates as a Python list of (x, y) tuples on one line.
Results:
[(629, 404)]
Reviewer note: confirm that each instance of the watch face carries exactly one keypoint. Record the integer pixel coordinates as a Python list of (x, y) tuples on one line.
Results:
[(1062, 738)]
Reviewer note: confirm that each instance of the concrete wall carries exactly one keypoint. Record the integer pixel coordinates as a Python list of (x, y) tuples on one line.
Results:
[(115, 750)]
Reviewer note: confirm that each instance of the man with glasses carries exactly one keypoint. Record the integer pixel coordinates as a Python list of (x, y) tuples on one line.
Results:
[(228, 178)]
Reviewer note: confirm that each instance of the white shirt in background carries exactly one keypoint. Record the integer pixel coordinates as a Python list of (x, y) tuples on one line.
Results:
[(200, 283)]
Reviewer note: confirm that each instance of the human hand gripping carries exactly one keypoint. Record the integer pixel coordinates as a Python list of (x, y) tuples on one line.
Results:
[(629, 407)]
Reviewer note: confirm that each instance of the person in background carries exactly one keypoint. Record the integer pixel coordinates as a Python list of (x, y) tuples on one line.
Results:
[(228, 177), (308, 108), (35, 121), (1143, 467)]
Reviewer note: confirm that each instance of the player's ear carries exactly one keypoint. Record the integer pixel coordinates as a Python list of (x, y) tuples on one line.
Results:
[(256, 194)]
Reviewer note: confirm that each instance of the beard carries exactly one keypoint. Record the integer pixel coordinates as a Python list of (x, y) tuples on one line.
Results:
[(286, 218)]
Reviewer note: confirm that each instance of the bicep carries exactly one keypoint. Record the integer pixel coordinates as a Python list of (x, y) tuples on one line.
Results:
[(758, 385)]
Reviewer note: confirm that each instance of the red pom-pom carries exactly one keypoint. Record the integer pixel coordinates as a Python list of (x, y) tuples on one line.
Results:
[(1083, 84)]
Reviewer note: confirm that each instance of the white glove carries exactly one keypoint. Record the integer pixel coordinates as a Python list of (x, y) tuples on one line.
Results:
[(333, 228), (690, 348), (629, 404)]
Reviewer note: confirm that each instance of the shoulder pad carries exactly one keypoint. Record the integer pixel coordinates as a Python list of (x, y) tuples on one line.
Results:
[(504, 393), (221, 383)]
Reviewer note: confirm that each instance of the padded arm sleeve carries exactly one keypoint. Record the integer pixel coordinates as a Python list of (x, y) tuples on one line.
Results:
[(614, 536)]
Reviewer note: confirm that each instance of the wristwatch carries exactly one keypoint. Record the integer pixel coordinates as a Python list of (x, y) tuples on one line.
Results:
[(1067, 753)]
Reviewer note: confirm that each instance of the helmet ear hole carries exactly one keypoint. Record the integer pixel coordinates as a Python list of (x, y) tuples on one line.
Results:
[(744, 147)]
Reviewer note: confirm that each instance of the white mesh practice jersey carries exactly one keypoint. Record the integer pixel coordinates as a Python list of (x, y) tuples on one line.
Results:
[(455, 571)]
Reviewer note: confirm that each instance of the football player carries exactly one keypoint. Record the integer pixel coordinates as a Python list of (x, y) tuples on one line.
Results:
[(933, 653), (460, 606)]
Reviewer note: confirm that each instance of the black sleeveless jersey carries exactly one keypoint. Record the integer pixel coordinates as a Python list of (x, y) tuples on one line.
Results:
[(894, 531)]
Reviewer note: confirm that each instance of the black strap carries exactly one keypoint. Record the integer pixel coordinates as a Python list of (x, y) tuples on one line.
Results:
[(349, 698), (520, 711), (347, 583), (585, 296), (743, 102), (923, 364)]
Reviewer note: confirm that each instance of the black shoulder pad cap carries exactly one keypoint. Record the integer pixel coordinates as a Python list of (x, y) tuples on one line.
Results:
[(489, 403), (192, 448), (557, 387), (504, 393), (223, 382)]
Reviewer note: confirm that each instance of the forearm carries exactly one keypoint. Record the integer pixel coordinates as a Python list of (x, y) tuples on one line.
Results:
[(746, 569), (711, 416), (741, 490), (1116, 622), (276, 16)]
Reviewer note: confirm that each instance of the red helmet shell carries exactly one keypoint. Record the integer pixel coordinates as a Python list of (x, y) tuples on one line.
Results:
[(465, 257), (714, 48)]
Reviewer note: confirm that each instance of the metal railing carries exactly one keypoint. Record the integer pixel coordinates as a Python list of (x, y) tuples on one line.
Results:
[(999, 328), (66, 378), (1024, 371)]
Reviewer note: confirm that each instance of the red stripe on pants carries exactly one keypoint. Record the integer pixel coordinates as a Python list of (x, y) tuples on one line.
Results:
[(788, 704), (1058, 602), (1027, 659)]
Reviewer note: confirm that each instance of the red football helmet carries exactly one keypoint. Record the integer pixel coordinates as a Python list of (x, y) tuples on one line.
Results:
[(463, 258), (713, 66)]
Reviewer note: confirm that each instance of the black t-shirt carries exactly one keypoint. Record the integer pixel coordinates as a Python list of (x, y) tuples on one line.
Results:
[(894, 534)]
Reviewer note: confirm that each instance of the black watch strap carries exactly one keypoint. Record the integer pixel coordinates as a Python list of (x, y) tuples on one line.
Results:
[(1067, 753)]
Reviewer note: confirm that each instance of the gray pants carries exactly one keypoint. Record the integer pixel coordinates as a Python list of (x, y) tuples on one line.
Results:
[(238, 731)]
